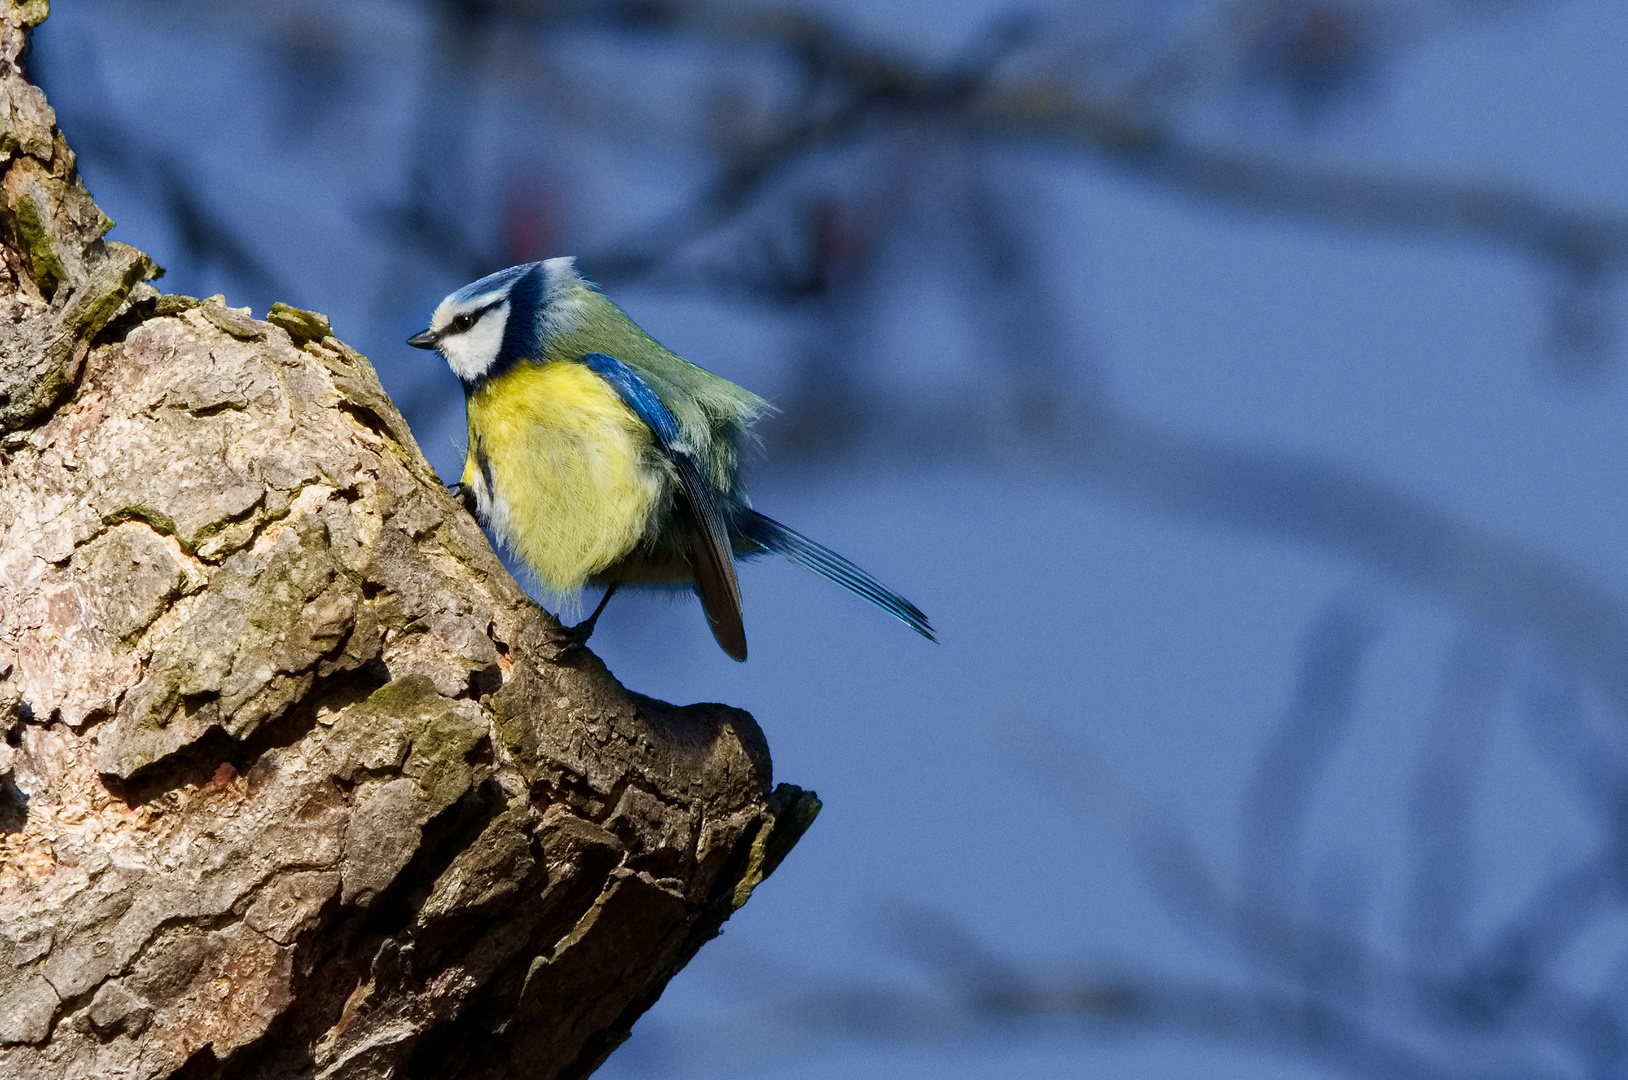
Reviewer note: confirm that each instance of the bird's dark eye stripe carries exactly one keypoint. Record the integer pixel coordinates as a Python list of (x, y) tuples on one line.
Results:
[(469, 318)]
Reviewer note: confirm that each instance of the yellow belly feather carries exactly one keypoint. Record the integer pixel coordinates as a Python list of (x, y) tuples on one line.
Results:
[(574, 481)]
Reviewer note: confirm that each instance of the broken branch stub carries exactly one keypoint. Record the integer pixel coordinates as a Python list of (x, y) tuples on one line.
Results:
[(294, 779)]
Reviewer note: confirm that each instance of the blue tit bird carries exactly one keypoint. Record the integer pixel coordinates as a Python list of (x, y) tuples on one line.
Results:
[(599, 457)]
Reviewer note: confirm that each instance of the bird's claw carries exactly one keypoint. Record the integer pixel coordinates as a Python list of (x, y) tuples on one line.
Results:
[(570, 639), (577, 636), (464, 497)]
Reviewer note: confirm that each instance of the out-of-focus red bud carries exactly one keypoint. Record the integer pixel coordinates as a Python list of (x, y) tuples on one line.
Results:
[(533, 222), (841, 243), (1326, 38)]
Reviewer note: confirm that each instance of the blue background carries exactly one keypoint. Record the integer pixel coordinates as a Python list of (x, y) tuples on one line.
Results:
[(1113, 664)]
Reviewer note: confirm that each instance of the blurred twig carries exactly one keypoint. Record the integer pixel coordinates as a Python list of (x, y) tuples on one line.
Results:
[(1297, 754), (1439, 901)]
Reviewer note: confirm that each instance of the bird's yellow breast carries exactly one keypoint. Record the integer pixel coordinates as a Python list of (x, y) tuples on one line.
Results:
[(573, 479)]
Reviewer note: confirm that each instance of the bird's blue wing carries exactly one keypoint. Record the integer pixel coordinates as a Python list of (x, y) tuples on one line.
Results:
[(711, 555), (638, 396), (767, 534)]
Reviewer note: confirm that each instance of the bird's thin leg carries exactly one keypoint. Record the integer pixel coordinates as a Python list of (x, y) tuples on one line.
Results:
[(582, 631)]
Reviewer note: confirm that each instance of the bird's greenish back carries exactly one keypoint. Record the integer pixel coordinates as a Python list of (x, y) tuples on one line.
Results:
[(713, 412)]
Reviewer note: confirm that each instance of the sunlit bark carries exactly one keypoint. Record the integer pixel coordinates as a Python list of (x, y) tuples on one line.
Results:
[(295, 781)]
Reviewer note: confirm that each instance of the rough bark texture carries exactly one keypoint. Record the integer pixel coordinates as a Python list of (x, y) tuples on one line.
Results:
[(295, 781)]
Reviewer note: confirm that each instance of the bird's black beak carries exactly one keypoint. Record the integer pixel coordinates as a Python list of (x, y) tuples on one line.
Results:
[(424, 339)]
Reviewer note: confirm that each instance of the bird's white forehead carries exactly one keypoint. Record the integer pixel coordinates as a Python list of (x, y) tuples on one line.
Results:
[(452, 307)]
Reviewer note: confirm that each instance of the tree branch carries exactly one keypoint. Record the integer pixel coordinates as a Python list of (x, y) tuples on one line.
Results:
[(295, 780)]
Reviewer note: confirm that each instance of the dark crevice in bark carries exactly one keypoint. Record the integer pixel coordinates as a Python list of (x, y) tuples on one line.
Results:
[(200, 763), (368, 418), (202, 1065), (332, 967), (445, 836), (13, 805), (133, 315), (485, 1018)]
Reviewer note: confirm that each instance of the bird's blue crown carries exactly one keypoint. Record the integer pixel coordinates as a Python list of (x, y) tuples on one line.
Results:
[(494, 285)]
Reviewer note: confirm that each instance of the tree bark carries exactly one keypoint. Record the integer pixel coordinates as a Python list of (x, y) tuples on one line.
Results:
[(295, 781)]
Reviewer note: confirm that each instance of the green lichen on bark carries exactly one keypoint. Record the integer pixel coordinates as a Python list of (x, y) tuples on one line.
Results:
[(37, 235), (31, 13), (301, 325), (793, 810)]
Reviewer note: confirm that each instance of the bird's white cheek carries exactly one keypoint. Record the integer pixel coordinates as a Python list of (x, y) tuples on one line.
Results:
[(472, 353)]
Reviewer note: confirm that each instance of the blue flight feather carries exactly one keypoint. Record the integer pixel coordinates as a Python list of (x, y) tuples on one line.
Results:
[(767, 534)]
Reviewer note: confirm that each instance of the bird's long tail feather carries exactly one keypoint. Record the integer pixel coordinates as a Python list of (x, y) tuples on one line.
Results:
[(769, 535)]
